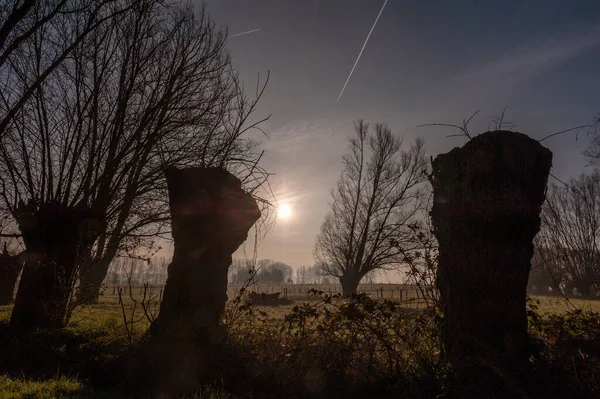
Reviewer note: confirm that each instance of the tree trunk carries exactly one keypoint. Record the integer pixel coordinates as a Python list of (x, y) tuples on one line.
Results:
[(211, 216), (90, 283), (584, 288), (487, 200), (10, 267), (349, 284), (55, 237)]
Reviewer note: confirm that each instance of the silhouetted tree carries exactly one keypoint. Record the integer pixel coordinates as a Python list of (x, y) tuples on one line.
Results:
[(593, 149), (487, 199), (10, 267), (308, 275), (548, 268), (375, 201), (268, 271), (240, 271), (153, 88), (61, 24), (571, 227), (272, 272)]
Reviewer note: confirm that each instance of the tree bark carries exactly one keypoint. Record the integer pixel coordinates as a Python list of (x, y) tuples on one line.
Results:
[(10, 267), (211, 216), (349, 284), (90, 284), (584, 288), (487, 201), (55, 238)]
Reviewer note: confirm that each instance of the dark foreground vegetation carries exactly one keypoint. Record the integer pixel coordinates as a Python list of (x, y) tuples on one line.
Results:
[(328, 347)]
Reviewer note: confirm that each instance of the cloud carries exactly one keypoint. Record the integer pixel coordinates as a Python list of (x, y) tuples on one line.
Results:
[(527, 61), (540, 55)]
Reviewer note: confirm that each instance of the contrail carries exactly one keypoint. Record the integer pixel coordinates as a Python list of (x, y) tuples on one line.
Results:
[(243, 33), (362, 49)]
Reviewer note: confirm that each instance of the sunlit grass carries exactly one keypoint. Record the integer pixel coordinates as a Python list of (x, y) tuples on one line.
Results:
[(96, 334), (65, 388), (61, 387), (109, 314), (560, 305)]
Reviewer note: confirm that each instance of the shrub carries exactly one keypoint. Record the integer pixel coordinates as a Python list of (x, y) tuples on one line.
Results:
[(566, 351), (341, 346)]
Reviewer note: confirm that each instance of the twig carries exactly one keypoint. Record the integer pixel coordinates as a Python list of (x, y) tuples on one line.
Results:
[(578, 128), (464, 128)]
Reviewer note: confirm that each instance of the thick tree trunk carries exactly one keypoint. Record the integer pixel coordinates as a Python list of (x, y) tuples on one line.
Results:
[(349, 284), (55, 238), (487, 200), (10, 267), (584, 288), (211, 216), (90, 283)]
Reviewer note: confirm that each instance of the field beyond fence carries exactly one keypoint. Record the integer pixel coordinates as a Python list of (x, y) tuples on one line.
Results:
[(399, 292), (409, 294)]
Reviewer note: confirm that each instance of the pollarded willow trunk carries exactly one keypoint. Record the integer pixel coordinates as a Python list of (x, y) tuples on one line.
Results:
[(56, 237), (10, 267), (210, 215), (349, 284), (487, 200)]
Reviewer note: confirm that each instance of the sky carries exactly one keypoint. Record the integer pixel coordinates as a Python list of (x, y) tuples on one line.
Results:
[(425, 62)]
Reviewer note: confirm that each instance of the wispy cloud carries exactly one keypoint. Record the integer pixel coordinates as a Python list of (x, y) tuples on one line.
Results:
[(541, 54), (527, 61)]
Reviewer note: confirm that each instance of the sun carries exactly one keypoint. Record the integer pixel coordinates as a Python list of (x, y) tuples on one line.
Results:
[(284, 211)]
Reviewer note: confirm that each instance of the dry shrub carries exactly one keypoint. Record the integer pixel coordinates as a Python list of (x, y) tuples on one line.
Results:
[(566, 352), (339, 346)]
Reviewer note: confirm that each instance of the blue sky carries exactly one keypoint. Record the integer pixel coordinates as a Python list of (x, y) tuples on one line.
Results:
[(426, 61)]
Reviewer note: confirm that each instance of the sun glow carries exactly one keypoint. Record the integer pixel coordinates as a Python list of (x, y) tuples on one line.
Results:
[(284, 211)]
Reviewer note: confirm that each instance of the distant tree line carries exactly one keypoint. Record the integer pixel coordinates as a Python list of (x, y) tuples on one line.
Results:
[(137, 271), (141, 271), (269, 271)]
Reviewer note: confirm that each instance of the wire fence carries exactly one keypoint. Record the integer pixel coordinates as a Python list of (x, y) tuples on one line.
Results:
[(298, 292)]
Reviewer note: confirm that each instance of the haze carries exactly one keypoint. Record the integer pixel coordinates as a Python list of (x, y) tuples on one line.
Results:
[(425, 62)]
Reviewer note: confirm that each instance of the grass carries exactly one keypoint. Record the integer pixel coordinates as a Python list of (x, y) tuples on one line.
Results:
[(560, 305), (56, 388), (108, 312), (66, 388), (266, 356)]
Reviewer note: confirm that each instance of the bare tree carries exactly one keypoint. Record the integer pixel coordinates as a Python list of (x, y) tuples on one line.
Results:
[(593, 150), (375, 201), (66, 24), (309, 275), (153, 88), (548, 266), (571, 228), (273, 272)]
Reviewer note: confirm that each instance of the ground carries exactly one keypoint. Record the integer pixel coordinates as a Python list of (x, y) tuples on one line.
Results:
[(109, 316)]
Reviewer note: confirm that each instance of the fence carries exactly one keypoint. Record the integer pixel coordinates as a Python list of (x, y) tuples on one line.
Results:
[(300, 292)]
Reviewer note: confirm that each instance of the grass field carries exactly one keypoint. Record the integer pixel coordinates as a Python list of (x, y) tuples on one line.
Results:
[(109, 310), (105, 324), (408, 294)]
